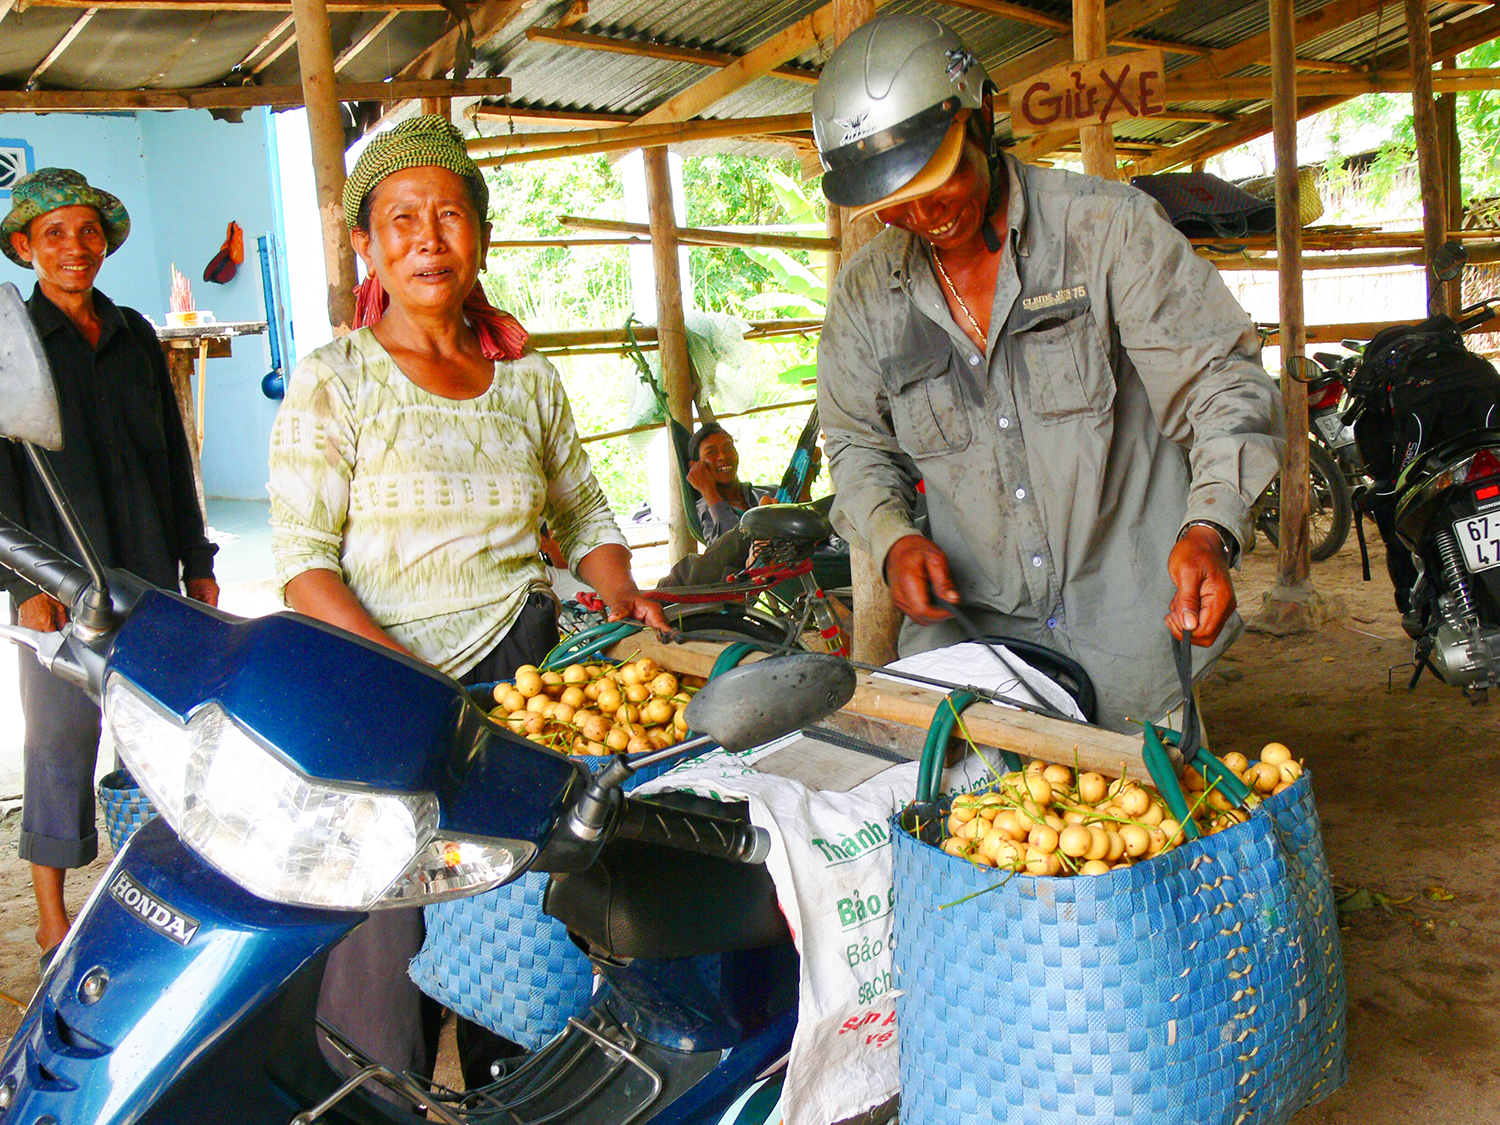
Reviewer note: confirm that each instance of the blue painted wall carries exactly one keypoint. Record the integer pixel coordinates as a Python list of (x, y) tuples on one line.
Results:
[(183, 176)]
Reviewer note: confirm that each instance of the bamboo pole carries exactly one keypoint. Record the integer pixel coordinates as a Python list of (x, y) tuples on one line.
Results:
[(241, 97), (62, 45), (1257, 87), (559, 118), (1341, 260), (677, 131), (646, 335), (1424, 123), (703, 236), (1452, 175), (1090, 41), (769, 408), (357, 48), (632, 137), (1286, 602), (671, 332), (325, 124), (877, 621)]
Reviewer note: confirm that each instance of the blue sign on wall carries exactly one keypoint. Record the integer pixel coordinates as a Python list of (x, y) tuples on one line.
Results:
[(16, 159)]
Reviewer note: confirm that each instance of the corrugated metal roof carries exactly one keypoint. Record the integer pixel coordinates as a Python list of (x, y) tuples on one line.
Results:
[(138, 48)]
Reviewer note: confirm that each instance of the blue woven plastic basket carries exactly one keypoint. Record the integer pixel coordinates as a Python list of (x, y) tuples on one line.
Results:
[(1205, 987), (496, 959), (126, 806)]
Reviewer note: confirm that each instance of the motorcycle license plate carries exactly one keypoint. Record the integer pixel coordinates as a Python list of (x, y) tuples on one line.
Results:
[(1479, 536), (1334, 432)]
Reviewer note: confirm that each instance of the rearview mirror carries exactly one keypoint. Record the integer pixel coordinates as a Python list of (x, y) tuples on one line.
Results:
[(28, 397), (1449, 261), (757, 703)]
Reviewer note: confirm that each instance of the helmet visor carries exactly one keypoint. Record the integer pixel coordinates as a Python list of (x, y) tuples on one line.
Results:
[(870, 169)]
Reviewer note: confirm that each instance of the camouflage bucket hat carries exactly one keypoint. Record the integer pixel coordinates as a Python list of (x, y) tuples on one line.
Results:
[(46, 190), (419, 141)]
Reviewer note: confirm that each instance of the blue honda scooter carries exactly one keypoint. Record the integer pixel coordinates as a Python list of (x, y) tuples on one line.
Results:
[(305, 777)]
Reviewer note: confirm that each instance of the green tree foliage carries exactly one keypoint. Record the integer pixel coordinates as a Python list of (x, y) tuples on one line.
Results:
[(578, 287)]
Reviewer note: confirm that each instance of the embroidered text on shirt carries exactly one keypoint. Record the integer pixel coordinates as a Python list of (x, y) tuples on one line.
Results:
[(1047, 300)]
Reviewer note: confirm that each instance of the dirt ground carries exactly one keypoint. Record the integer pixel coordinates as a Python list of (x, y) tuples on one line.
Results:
[(1405, 785)]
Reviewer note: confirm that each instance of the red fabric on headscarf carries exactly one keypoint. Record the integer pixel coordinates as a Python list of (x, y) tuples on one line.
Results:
[(501, 335)]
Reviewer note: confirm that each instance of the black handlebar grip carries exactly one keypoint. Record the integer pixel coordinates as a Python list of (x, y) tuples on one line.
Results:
[(694, 832), (44, 567)]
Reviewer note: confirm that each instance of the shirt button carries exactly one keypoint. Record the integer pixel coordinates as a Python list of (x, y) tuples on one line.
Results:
[(1020, 494), (1036, 560), (1052, 623), (973, 361), (1004, 423)]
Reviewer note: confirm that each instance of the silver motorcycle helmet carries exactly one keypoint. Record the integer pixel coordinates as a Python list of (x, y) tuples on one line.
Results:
[(887, 100)]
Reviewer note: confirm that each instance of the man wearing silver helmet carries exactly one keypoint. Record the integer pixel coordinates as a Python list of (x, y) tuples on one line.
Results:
[(1076, 390)]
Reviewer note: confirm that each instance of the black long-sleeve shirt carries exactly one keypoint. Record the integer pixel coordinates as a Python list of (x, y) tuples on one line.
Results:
[(124, 465)]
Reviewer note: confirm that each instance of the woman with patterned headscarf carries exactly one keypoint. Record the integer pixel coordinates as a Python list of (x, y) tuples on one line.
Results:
[(411, 465)]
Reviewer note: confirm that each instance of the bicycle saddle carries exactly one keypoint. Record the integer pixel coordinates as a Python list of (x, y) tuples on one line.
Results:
[(798, 522)]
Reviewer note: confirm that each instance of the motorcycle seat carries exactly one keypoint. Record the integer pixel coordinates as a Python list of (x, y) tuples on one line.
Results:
[(648, 901), (799, 522)]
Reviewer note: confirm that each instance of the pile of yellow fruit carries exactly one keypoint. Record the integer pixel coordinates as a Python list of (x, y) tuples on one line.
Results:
[(1046, 821), (598, 709)]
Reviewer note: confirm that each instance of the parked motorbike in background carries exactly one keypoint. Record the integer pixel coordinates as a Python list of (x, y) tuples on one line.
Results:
[(304, 777), (1425, 413)]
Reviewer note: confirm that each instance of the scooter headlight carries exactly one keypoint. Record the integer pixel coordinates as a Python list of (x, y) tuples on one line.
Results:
[(287, 837)]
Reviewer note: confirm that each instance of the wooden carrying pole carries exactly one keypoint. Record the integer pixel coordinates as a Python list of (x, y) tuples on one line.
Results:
[(877, 621), (1294, 563), (671, 332), (325, 125), (1424, 122), (1090, 41)]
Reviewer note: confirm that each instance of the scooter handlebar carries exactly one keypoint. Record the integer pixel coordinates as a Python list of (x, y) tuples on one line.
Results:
[(44, 567), (693, 832)]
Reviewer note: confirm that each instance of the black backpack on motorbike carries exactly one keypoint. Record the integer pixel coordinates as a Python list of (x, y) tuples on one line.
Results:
[(1420, 388)]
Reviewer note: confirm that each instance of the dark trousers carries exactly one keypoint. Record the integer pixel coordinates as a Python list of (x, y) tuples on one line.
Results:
[(366, 993), (57, 794)]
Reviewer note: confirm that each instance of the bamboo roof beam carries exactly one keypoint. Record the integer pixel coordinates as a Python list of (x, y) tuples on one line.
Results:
[(1455, 38), (488, 20), (349, 53), (562, 118), (286, 45), (652, 49), (62, 45), (643, 136), (706, 236), (265, 41), (237, 97), (269, 6), (1257, 87), (5, 7)]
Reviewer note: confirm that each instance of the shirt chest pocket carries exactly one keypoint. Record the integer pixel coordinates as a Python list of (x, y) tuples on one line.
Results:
[(1065, 370), (927, 404)]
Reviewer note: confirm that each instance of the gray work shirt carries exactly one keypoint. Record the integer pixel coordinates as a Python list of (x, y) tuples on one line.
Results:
[(1119, 396)]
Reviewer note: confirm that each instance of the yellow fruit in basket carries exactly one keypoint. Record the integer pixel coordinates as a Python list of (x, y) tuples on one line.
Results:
[(1008, 822), (663, 684), (629, 674), (595, 728), (656, 712), (1289, 772), (1095, 867), (596, 749), (617, 740), (956, 847), (1137, 839), (972, 829), (575, 674), (1042, 838), (1192, 781), (1266, 776), (516, 720), (560, 712), (1091, 787), (1074, 816), (957, 819), (1042, 863), (679, 720), (637, 693), (528, 682), (1153, 815), (1038, 787), (1133, 801), (1275, 753), (552, 680), (513, 700), (1158, 842), (1218, 802), (989, 843), (1173, 832), (1058, 776), (638, 744), (1098, 844), (1073, 841), (1036, 765), (647, 668), (963, 811), (628, 713), (609, 699), (573, 697), (591, 691), (536, 702), (1054, 822), (1235, 761), (1116, 845), (1282, 788)]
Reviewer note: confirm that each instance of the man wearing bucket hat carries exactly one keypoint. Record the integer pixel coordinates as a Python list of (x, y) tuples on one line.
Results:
[(124, 465), (1076, 389)]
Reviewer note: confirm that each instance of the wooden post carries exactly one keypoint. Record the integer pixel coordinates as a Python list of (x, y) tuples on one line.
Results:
[(1091, 41), (877, 621), (1453, 179), (180, 368), (1424, 122), (1292, 606), (326, 127), (676, 372), (443, 107)]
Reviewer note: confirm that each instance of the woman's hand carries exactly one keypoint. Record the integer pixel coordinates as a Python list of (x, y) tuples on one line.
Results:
[(607, 570), (322, 594), (44, 613), (204, 590)]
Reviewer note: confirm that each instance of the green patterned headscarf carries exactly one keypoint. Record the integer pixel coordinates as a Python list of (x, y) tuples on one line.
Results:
[(46, 190), (416, 142)]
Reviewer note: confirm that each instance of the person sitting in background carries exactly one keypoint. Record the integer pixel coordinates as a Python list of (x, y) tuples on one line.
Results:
[(713, 469), (126, 468)]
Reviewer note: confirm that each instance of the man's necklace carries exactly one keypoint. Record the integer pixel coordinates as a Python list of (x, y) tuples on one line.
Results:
[(948, 281)]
